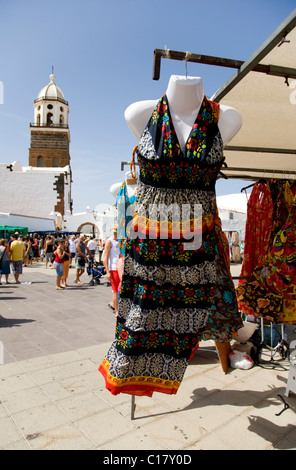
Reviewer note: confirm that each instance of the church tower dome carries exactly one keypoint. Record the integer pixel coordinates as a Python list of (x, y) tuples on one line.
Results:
[(51, 91), (50, 107)]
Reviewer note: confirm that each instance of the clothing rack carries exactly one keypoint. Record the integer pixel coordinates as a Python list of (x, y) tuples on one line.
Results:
[(218, 61), (123, 164), (264, 180), (273, 174), (281, 346)]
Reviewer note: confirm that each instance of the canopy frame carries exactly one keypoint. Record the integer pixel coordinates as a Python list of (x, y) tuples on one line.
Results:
[(276, 39)]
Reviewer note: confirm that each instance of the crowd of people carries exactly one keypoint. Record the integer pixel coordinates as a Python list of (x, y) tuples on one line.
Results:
[(58, 251), (63, 252)]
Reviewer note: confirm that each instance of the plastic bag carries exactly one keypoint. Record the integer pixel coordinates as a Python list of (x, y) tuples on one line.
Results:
[(245, 333), (240, 360)]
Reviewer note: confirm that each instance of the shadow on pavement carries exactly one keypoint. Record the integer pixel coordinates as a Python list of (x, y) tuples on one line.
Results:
[(10, 322)]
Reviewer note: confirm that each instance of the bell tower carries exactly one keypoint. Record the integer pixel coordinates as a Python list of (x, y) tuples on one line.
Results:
[(50, 135)]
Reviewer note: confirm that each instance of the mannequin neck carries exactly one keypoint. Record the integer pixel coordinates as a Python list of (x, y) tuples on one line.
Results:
[(131, 183), (185, 95)]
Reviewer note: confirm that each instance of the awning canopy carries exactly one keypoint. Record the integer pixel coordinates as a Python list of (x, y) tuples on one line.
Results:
[(13, 229), (265, 147)]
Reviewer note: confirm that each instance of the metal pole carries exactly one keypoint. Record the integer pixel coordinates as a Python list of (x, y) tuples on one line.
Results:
[(133, 407)]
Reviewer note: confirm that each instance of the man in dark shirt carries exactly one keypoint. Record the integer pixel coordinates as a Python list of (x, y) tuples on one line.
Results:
[(82, 252)]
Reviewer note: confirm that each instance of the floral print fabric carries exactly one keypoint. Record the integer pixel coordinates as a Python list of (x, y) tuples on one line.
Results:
[(125, 210), (258, 228), (270, 289), (172, 291)]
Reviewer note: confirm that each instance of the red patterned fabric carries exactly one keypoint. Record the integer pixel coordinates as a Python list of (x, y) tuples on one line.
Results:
[(258, 228)]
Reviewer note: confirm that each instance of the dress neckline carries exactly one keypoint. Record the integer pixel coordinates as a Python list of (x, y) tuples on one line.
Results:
[(193, 128)]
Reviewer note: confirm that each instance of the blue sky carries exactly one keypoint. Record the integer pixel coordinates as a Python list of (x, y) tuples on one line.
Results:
[(102, 52)]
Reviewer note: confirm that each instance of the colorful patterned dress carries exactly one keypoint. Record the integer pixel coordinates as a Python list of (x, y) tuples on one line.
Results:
[(271, 291), (172, 291), (125, 210)]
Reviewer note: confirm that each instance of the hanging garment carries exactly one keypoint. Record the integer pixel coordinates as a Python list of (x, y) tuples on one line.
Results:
[(172, 291), (272, 291), (125, 210), (223, 319), (258, 228), (282, 197)]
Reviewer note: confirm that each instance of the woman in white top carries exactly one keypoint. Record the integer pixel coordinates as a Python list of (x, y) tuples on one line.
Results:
[(111, 255)]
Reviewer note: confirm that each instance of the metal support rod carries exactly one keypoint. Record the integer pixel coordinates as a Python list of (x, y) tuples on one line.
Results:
[(133, 406), (123, 164), (274, 70), (245, 173), (240, 148)]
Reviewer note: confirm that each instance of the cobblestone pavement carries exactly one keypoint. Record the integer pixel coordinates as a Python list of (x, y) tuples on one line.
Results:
[(52, 396)]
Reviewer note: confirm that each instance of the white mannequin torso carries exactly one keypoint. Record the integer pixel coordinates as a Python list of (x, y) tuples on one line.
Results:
[(131, 186), (185, 96)]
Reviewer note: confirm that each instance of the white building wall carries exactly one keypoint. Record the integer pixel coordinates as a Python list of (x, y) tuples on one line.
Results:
[(102, 222), (34, 224), (31, 191)]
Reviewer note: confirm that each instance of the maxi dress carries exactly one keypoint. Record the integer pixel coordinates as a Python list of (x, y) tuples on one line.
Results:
[(173, 293)]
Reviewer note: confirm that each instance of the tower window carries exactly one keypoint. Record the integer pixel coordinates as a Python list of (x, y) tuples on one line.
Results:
[(61, 108), (61, 119), (49, 119), (49, 106), (38, 120), (40, 161)]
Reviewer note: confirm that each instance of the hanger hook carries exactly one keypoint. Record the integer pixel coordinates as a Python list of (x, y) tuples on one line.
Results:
[(187, 55)]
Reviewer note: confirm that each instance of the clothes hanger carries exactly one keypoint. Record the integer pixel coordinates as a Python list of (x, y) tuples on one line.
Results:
[(222, 174), (247, 187), (261, 180)]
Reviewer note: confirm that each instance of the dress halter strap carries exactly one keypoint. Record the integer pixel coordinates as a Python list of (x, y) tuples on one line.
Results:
[(216, 110)]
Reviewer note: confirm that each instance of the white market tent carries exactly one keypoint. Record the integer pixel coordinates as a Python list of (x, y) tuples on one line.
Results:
[(265, 147), (263, 90)]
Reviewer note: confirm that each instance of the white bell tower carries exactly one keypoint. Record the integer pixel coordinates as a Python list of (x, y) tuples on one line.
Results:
[(50, 108), (50, 135)]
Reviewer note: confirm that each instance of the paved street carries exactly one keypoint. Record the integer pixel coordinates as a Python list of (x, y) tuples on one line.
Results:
[(36, 319), (52, 396)]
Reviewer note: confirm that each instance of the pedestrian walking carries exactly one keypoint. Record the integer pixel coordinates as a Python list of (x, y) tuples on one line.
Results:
[(67, 257), (17, 253), (48, 250), (58, 263), (81, 257), (72, 246), (111, 255), (35, 249), (92, 245)]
